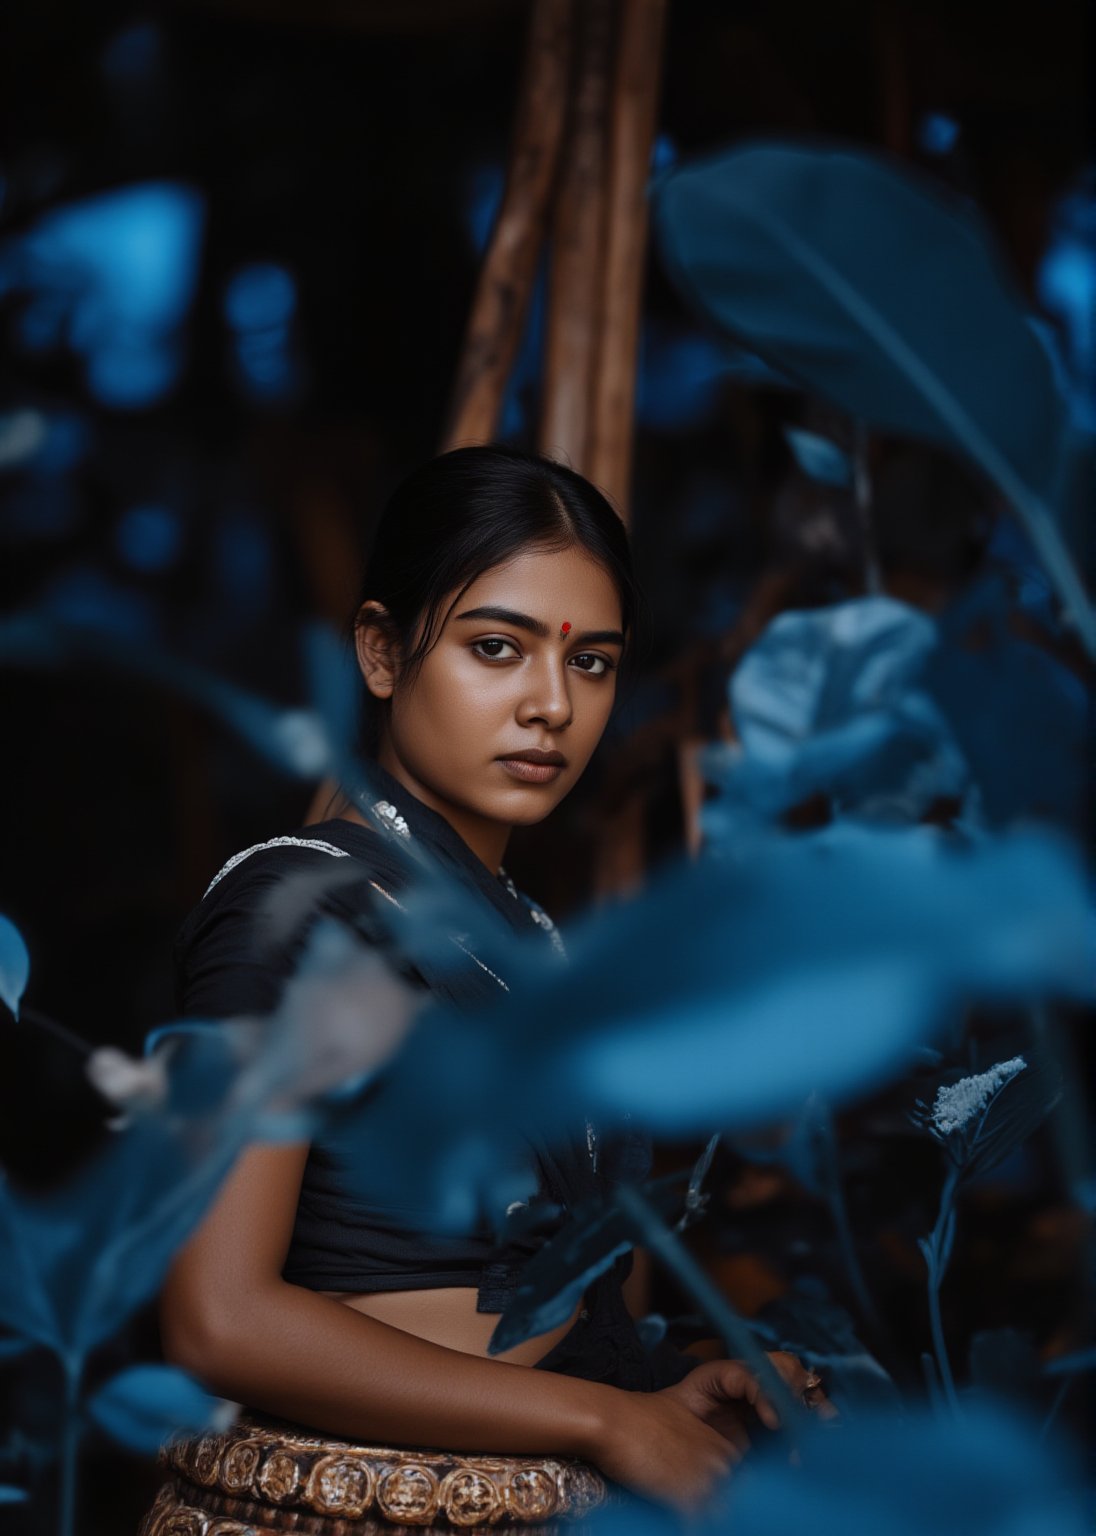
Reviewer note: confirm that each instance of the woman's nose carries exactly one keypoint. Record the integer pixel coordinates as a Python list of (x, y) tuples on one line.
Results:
[(549, 699)]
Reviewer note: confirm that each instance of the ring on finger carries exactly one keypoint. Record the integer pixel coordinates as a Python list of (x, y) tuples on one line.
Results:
[(811, 1386)]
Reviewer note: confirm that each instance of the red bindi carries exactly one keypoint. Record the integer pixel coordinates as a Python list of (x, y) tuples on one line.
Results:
[(565, 629)]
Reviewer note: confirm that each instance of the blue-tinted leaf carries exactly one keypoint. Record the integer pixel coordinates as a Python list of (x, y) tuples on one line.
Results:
[(1020, 717), (815, 965), (827, 701), (9, 1495), (884, 293), (596, 1234), (909, 1473), (802, 965), (819, 458), (145, 1404), (10, 1348), (14, 965)]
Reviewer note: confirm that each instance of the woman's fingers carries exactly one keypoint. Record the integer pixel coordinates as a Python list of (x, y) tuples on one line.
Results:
[(802, 1381)]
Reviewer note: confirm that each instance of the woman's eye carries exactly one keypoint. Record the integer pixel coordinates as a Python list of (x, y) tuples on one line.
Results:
[(596, 665), (494, 650)]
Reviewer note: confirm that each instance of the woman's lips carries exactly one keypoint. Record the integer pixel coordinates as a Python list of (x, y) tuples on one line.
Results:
[(531, 773)]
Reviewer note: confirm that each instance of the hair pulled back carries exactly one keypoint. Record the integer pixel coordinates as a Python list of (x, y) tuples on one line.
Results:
[(469, 510)]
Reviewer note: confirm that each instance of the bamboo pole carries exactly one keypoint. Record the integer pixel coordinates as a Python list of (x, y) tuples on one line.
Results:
[(633, 118), (508, 273), (575, 288)]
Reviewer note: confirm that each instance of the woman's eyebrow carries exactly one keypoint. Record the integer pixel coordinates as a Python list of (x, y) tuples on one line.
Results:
[(535, 627)]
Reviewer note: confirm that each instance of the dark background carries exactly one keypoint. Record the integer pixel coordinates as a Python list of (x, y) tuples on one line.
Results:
[(212, 487)]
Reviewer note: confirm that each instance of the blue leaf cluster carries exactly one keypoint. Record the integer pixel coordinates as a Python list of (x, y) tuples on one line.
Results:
[(830, 702), (879, 291)]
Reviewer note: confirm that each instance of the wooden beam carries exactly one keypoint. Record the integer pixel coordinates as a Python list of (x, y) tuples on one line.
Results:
[(509, 269), (575, 286), (633, 117)]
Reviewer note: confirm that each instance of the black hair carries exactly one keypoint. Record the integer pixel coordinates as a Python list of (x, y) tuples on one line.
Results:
[(466, 511)]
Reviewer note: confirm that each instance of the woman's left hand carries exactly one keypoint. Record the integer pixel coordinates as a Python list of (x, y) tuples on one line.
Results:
[(727, 1395)]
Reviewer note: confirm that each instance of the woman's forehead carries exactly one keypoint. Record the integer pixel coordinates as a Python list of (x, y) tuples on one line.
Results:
[(545, 578)]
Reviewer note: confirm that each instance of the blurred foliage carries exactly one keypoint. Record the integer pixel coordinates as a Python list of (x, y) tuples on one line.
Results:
[(230, 330)]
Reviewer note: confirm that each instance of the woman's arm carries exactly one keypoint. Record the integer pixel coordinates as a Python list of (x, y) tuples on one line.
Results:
[(228, 1317)]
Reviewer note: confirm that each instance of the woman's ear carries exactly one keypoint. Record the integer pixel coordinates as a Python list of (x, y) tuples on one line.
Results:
[(377, 649)]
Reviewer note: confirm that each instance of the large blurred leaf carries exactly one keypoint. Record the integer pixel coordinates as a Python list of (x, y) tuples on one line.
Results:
[(891, 1473), (145, 1404), (827, 701), (908, 1474), (80, 1259), (880, 290), (723, 997), (814, 965)]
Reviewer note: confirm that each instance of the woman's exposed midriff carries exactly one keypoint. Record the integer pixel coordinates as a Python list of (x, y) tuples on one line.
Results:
[(447, 1315)]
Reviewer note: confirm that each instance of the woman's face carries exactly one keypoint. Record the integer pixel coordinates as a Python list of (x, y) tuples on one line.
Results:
[(503, 679)]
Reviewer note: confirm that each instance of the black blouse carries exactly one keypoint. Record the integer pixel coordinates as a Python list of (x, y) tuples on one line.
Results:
[(223, 966)]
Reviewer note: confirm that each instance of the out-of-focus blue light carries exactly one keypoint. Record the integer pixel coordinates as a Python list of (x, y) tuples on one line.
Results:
[(260, 296), (84, 596), (150, 538), (663, 154), (133, 372), (22, 436), (259, 303), (137, 249), (47, 443), (41, 326), (484, 187), (937, 133), (68, 439), (1066, 287), (133, 53), (114, 275)]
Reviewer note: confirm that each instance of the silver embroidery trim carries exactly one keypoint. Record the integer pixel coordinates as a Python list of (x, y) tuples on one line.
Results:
[(275, 842)]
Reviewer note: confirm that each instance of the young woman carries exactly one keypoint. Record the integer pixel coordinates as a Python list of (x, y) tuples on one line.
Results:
[(498, 607)]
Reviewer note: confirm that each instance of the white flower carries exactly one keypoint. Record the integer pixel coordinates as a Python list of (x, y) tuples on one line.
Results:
[(129, 1083), (957, 1104)]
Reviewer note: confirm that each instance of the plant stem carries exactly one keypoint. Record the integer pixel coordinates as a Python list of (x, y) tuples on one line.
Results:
[(835, 1197), (70, 1444), (732, 1329), (937, 1270)]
